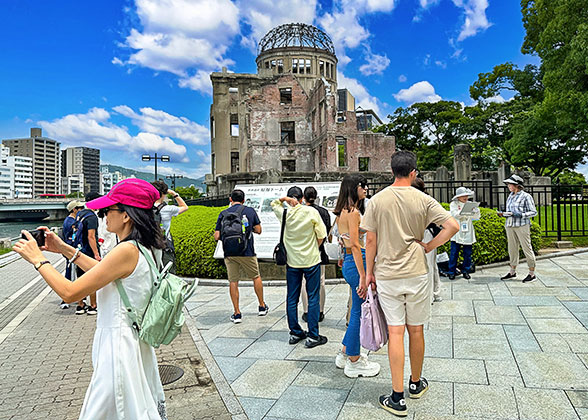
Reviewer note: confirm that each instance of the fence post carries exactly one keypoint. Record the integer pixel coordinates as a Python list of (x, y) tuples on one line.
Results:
[(491, 189), (558, 212)]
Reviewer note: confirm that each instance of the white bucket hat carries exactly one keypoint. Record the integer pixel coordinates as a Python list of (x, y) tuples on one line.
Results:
[(461, 192), (516, 180)]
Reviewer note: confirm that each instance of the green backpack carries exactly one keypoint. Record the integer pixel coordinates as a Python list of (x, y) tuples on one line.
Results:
[(163, 318)]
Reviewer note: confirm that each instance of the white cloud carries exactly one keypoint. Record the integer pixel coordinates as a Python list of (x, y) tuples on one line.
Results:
[(402, 78), (440, 63), (345, 31), (418, 92), (427, 60), (200, 81), (160, 122), (370, 6), (475, 17), (497, 99), (425, 4), (359, 92), (93, 129), (375, 64)]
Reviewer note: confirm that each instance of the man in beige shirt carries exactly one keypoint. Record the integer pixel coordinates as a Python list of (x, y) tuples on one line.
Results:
[(303, 234), (396, 219)]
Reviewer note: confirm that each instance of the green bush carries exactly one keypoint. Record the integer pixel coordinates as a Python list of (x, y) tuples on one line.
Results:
[(491, 244), (194, 243)]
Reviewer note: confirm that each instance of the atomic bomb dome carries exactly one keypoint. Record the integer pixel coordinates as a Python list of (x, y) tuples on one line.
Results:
[(296, 35)]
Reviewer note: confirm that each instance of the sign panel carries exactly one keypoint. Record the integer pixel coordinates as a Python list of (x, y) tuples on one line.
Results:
[(259, 197)]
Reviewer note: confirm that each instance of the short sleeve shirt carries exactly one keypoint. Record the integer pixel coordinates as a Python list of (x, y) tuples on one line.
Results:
[(166, 213), (399, 215), (90, 222), (253, 220)]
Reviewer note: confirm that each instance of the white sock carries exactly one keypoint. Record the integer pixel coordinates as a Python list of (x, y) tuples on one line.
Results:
[(513, 270), (532, 273)]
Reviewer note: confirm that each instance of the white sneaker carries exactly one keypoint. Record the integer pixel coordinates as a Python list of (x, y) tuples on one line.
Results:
[(437, 298), (362, 367), (340, 359)]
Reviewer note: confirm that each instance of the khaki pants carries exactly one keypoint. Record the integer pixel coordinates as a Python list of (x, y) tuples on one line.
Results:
[(322, 292), (520, 236)]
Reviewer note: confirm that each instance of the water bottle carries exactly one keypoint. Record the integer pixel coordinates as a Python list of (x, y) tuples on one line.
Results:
[(244, 223)]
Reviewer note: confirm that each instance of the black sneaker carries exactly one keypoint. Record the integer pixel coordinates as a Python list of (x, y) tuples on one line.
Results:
[(64, 305), (305, 316), (466, 276), (529, 279), (417, 390), (236, 318), (91, 310), (396, 408), (296, 338), (313, 342), (321, 317), (508, 276), (80, 310), (451, 276), (263, 310)]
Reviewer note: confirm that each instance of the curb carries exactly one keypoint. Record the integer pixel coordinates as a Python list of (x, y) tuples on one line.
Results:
[(224, 388), (281, 283)]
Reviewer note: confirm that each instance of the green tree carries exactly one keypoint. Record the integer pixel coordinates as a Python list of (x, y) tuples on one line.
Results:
[(75, 195), (188, 193)]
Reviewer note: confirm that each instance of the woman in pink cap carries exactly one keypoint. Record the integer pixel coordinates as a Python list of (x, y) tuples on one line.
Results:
[(125, 383)]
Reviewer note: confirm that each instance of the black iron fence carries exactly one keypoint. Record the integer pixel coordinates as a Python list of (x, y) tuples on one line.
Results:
[(209, 201), (562, 210)]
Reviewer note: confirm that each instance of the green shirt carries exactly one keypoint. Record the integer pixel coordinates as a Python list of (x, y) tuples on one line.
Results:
[(303, 229)]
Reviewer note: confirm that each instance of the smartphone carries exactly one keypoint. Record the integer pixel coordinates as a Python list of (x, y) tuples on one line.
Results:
[(38, 235)]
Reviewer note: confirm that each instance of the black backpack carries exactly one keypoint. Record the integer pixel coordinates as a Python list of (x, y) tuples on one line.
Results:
[(233, 234), (157, 213)]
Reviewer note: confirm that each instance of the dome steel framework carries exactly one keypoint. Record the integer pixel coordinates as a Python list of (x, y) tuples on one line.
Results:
[(296, 35)]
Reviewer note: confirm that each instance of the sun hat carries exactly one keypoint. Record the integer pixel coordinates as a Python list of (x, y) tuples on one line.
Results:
[(461, 192), (516, 180), (131, 192), (73, 204)]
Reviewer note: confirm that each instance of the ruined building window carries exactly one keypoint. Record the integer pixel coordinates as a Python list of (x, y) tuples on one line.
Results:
[(313, 120), (212, 128), (289, 165), (294, 65), (213, 163), (364, 164), (322, 113), (321, 67), (287, 132), (273, 64), (285, 96), (341, 152), (267, 64), (234, 125), (234, 162), (280, 64), (307, 65)]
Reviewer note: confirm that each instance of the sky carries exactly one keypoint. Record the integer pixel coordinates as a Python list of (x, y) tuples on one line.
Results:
[(132, 76)]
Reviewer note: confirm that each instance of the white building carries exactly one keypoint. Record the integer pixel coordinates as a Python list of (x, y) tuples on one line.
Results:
[(6, 182), (108, 179), (21, 174), (72, 184)]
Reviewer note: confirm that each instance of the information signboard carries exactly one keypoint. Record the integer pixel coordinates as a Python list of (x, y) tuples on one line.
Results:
[(259, 197)]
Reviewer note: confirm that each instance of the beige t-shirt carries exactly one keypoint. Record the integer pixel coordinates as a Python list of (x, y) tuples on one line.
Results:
[(399, 215)]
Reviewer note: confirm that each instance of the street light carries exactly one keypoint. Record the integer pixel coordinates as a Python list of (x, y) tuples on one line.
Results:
[(163, 158), (173, 178)]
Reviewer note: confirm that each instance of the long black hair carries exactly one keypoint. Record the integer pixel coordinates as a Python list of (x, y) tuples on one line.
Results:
[(348, 198), (310, 195), (145, 230)]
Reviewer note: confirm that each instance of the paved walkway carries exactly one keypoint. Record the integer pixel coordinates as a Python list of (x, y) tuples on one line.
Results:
[(45, 357), (495, 350)]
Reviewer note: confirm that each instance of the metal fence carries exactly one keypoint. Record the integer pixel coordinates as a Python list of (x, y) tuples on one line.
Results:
[(562, 210), (209, 201)]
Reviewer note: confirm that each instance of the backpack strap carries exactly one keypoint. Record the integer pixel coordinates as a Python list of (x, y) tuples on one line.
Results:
[(159, 207), (283, 226)]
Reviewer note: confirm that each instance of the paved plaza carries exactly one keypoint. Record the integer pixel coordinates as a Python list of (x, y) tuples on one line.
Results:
[(495, 350)]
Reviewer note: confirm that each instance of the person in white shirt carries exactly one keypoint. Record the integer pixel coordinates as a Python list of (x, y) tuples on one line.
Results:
[(466, 237), (168, 211)]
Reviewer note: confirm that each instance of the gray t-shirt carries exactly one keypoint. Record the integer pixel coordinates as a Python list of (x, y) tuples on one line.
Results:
[(166, 213)]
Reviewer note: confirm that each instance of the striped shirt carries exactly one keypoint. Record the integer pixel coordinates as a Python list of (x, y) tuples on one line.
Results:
[(520, 202)]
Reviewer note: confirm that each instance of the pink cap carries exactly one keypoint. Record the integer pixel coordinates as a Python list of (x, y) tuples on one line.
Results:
[(131, 191)]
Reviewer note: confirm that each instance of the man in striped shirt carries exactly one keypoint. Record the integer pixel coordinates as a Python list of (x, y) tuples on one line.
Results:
[(520, 207)]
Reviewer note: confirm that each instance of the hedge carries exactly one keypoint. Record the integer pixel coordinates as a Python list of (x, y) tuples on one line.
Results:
[(491, 243), (194, 242)]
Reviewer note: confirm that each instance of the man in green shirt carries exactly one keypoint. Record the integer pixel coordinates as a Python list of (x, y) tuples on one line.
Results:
[(303, 234)]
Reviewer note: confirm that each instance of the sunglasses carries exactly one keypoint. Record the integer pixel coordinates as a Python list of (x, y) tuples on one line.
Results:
[(104, 212)]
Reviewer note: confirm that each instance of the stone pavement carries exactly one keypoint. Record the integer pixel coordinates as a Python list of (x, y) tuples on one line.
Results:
[(45, 360), (494, 350)]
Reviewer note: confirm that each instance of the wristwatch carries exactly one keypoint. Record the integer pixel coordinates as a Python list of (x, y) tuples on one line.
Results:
[(176, 196), (39, 264)]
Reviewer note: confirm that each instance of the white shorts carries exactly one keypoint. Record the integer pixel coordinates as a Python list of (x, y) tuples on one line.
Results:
[(405, 301)]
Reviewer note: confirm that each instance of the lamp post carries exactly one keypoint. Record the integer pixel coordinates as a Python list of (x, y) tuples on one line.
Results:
[(163, 158), (173, 178)]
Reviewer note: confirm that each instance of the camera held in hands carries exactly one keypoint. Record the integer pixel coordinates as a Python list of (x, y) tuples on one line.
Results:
[(38, 235)]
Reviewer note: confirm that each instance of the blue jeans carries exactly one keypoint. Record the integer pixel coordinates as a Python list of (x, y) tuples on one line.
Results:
[(294, 283), (351, 339), (454, 254)]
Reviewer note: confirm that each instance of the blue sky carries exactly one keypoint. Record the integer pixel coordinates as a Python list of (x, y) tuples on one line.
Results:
[(131, 77)]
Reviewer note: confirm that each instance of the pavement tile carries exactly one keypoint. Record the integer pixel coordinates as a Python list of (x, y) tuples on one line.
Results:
[(256, 408), (271, 345), (526, 301), (556, 325), (223, 346), (492, 401), (454, 370), (554, 343), (323, 375), (584, 358), (545, 312), (545, 404), (309, 403), (577, 342), (577, 307), (498, 289), (324, 353), (233, 367), (267, 378), (552, 370), (502, 367), (505, 380), (453, 308), (521, 338), (437, 343), (579, 399), (479, 332), (583, 413), (481, 349), (490, 314), (354, 413), (581, 292)]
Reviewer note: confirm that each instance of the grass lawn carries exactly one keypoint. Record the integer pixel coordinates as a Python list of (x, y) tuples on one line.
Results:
[(574, 218), (5, 250)]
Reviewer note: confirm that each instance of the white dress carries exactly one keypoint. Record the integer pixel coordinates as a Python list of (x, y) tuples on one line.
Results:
[(125, 384)]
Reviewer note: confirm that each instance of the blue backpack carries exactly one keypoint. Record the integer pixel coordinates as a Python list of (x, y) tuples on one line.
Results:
[(78, 228)]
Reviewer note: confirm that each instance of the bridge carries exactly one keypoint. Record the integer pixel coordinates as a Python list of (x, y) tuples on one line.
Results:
[(33, 209)]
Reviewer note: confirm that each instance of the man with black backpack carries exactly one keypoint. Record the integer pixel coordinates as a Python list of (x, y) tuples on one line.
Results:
[(235, 227)]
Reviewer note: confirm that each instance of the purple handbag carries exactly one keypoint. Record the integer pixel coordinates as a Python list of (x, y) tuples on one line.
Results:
[(373, 333)]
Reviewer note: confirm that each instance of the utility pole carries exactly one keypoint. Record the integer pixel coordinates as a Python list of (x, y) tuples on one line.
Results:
[(173, 178), (163, 158)]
